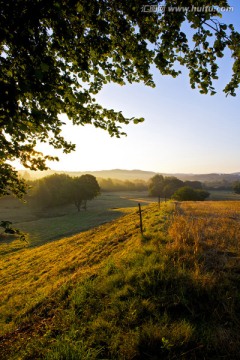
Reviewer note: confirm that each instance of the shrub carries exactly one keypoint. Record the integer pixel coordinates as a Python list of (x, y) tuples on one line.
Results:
[(187, 193)]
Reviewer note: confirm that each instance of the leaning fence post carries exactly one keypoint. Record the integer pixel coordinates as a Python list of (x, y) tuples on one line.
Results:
[(140, 215)]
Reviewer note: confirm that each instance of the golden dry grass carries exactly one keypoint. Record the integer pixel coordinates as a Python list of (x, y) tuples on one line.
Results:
[(30, 275), (208, 232)]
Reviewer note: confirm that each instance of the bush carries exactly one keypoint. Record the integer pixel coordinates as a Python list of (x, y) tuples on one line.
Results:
[(236, 187), (187, 193)]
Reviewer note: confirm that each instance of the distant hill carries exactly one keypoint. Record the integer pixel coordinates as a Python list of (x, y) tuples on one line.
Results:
[(139, 174), (112, 174), (124, 174), (212, 177)]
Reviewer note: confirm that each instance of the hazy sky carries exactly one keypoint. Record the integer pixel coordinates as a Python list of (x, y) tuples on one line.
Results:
[(183, 131)]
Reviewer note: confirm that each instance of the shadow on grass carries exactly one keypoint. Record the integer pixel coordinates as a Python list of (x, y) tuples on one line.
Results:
[(48, 225), (88, 222)]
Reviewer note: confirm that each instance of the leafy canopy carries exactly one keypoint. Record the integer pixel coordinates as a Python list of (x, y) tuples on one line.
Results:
[(187, 193), (172, 187), (156, 186), (61, 189), (50, 191), (84, 188), (236, 187), (56, 55)]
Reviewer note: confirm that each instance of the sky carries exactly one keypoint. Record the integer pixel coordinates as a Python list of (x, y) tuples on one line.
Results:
[(183, 131)]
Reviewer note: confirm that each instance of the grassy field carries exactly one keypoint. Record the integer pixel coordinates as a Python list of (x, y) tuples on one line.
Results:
[(223, 195), (111, 293), (43, 226), (47, 225)]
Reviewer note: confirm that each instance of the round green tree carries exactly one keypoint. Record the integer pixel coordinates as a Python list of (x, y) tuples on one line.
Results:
[(84, 188), (236, 187), (156, 186), (186, 193)]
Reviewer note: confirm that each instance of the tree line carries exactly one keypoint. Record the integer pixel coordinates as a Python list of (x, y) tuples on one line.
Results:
[(174, 188), (61, 189), (122, 185), (236, 187), (157, 185)]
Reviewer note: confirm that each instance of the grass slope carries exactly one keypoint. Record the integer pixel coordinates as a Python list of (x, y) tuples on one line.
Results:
[(223, 195), (43, 226), (110, 293)]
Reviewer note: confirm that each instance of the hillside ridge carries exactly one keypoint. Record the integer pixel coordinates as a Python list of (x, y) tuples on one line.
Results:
[(122, 174)]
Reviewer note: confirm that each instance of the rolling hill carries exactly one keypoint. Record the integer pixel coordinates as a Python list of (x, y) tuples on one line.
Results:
[(140, 175)]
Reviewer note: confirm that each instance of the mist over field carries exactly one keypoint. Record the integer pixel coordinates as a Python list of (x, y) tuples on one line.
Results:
[(134, 174)]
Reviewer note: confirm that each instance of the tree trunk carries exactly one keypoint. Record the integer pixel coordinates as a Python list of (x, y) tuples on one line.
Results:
[(85, 205), (78, 205)]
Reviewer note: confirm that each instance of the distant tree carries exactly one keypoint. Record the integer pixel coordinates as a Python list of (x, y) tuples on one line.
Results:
[(140, 185), (156, 186), (106, 184), (84, 188), (193, 184), (53, 190), (160, 186), (122, 185), (236, 187), (202, 194), (61, 189), (171, 184), (187, 193)]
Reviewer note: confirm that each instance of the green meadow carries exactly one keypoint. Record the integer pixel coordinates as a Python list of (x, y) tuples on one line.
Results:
[(45, 225), (42, 226)]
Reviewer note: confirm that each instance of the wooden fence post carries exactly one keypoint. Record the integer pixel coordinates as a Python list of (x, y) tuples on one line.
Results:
[(140, 215)]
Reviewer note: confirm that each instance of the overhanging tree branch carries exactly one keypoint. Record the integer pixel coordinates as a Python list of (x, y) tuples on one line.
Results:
[(55, 56)]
